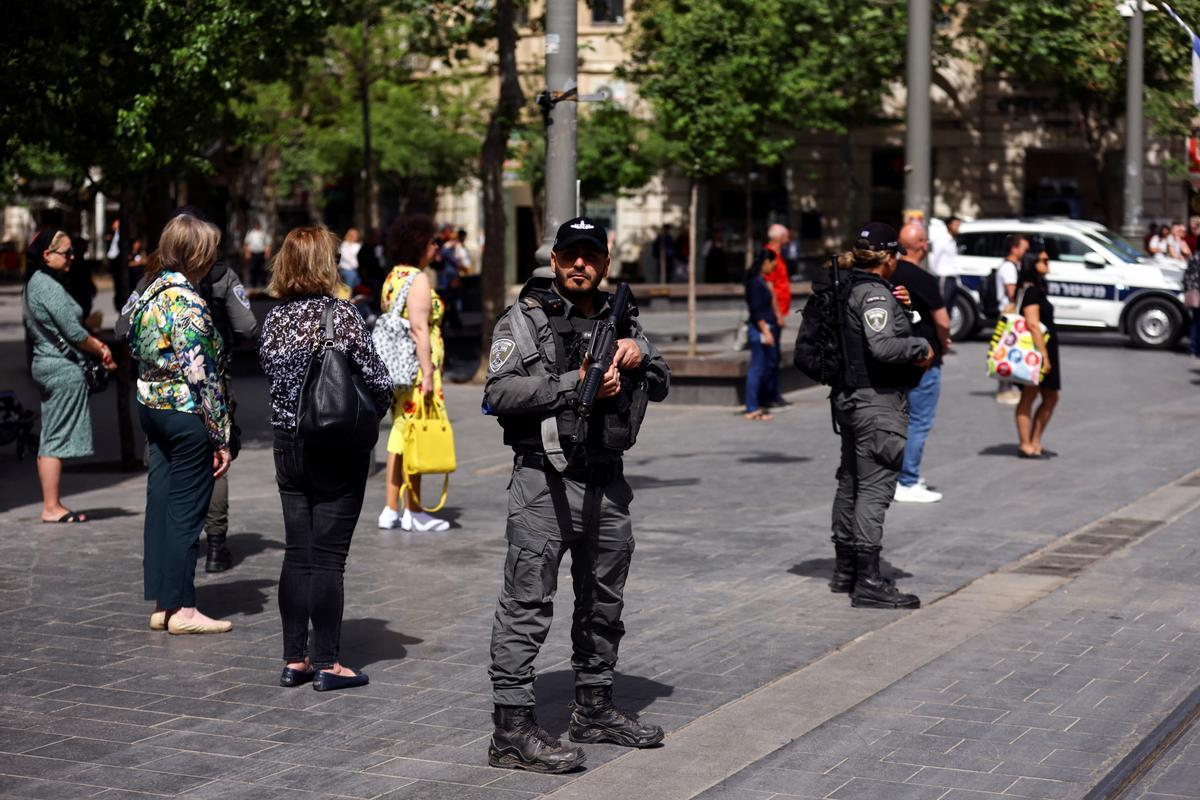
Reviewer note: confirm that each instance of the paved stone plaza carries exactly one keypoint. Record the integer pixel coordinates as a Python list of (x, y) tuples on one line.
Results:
[(1008, 682)]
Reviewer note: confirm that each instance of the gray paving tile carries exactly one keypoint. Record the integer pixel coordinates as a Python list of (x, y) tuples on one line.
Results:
[(962, 779), (863, 789), (335, 781), (429, 790)]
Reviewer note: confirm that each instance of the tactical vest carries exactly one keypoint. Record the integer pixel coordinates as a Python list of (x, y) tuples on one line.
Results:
[(220, 315), (862, 370), (613, 425)]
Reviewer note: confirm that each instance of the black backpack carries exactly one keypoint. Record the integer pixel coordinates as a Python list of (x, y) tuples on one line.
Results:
[(820, 348), (989, 301)]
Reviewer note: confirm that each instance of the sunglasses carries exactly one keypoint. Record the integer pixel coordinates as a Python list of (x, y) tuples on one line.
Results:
[(68, 253)]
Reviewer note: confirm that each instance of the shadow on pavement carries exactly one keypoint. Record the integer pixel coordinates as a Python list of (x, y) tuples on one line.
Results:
[(823, 568), (773, 458), (246, 597), (555, 690), (110, 513), (367, 641), (1010, 449), (650, 482)]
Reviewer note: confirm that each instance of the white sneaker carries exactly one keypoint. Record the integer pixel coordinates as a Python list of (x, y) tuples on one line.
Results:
[(389, 518), (421, 521), (1009, 398), (916, 494)]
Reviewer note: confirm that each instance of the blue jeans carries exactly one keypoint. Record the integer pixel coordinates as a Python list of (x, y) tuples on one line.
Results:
[(763, 375), (922, 405)]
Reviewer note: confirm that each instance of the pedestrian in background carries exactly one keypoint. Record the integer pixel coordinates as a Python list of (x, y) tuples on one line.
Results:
[(932, 325), (57, 343), (1192, 237), (348, 260), (762, 332), (1159, 243), (182, 409), (778, 237), (412, 246), (256, 250), (1016, 246), (1035, 307), (943, 257), (1177, 246), (884, 359), (320, 488), (1191, 299)]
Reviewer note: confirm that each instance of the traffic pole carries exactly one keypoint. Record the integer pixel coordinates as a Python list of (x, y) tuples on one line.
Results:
[(918, 179), (1135, 139), (559, 103)]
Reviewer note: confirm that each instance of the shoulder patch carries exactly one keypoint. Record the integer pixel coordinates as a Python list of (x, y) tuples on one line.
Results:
[(125, 309), (239, 292), (876, 298), (876, 318), (502, 350)]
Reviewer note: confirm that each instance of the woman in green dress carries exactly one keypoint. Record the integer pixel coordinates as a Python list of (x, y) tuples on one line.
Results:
[(54, 324)]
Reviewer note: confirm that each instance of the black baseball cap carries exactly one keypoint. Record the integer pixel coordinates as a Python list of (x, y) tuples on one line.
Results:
[(880, 237), (581, 231)]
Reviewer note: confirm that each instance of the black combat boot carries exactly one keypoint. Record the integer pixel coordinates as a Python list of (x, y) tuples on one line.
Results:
[(219, 558), (873, 591), (844, 572), (594, 718), (520, 743)]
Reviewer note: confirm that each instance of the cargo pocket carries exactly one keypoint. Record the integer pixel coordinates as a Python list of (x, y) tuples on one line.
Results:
[(888, 441), (529, 575)]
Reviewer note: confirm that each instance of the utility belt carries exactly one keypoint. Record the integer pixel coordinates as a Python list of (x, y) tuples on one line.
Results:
[(598, 473)]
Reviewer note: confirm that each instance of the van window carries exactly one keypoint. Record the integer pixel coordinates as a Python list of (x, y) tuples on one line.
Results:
[(987, 245), (1065, 248)]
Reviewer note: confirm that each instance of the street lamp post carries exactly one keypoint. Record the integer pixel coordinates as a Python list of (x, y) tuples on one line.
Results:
[(559, 104), (1134, 120), (917, 173)]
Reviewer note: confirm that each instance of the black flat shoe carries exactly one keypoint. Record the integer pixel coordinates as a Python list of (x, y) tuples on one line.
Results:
[(327, 681), (1023, 454), (290, 678)]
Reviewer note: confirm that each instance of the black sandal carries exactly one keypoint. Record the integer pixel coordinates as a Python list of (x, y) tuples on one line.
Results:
[(68, 517)]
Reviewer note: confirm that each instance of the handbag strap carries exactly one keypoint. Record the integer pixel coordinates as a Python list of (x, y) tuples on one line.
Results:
[(402, 298), (326, 325), (69, 352)]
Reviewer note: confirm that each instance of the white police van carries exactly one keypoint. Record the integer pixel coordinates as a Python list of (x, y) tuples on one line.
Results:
[(1097, 280)]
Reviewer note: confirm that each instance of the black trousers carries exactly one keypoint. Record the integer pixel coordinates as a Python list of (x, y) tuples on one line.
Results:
[(177, 496), (322, 494)]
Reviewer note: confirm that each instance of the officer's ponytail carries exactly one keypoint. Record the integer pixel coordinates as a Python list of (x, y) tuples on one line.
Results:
[(863, 259)]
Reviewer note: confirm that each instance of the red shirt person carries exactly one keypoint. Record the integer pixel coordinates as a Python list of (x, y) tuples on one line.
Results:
[(781, 286)]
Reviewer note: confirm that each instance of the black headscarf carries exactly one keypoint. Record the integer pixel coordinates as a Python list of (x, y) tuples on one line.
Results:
[(35, 257)]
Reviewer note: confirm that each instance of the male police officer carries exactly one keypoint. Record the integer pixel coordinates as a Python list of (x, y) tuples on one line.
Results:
[(230, 308), (883, 361), (565, 496)]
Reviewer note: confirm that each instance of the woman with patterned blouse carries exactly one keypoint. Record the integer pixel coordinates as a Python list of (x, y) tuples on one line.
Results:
[(182, 410), (58, 338), (412, 247), (321, 488)]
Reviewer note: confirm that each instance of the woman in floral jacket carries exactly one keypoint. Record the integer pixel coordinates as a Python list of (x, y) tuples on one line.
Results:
[(182, 410)]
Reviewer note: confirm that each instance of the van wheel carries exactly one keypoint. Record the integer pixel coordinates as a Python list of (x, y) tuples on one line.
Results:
[(964, 322), (1154, 324)]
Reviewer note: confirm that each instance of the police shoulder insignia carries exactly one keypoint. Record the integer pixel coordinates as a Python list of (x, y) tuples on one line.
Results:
[(125, 309), (239, 292), (876, 318), (877, 298), (502, 350)]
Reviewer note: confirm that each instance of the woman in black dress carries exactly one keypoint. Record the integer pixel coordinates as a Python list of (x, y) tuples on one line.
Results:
[(1034, 305)]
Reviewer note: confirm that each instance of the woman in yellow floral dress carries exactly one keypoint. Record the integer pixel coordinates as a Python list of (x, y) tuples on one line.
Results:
[(411, 246)]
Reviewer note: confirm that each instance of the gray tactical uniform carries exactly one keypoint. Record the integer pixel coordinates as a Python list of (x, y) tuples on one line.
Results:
[(872, 411), (233, 319), (584, 507)]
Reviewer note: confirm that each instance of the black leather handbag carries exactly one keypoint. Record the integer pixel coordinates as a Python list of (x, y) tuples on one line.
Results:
[(336, 408)]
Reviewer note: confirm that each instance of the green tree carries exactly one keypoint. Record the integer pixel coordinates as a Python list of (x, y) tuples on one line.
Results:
[(1078, 47)]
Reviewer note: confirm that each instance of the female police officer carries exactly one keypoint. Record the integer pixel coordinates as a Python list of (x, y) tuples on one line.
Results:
[(565, 495), (883, 361)]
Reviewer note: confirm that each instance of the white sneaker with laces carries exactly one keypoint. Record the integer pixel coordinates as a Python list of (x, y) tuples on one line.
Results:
[(389, 518), (916, 494)]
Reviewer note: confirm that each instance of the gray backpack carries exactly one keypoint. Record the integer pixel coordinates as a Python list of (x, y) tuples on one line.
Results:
[(394, 341)]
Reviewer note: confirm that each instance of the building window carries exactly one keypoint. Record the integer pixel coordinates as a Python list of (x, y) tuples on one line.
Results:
[(608, 12)]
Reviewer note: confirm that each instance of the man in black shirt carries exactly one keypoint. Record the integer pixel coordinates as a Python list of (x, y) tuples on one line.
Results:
[(933, 325)]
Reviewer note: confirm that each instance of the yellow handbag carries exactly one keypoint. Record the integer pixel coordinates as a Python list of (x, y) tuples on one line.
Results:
[(429, 447)]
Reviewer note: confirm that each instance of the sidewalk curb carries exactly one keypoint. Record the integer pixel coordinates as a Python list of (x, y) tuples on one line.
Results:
[(710, 749)]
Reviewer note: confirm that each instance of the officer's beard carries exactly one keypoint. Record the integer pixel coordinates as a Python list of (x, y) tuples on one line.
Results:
[(571, 293)]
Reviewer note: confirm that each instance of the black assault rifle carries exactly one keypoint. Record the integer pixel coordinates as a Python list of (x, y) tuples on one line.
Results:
[(601, 350)]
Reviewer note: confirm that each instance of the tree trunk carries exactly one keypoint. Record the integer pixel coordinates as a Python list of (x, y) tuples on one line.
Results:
[(853, 190), (693, 214), (749, 220), (369, 214), (495, 150), (130, 216)]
